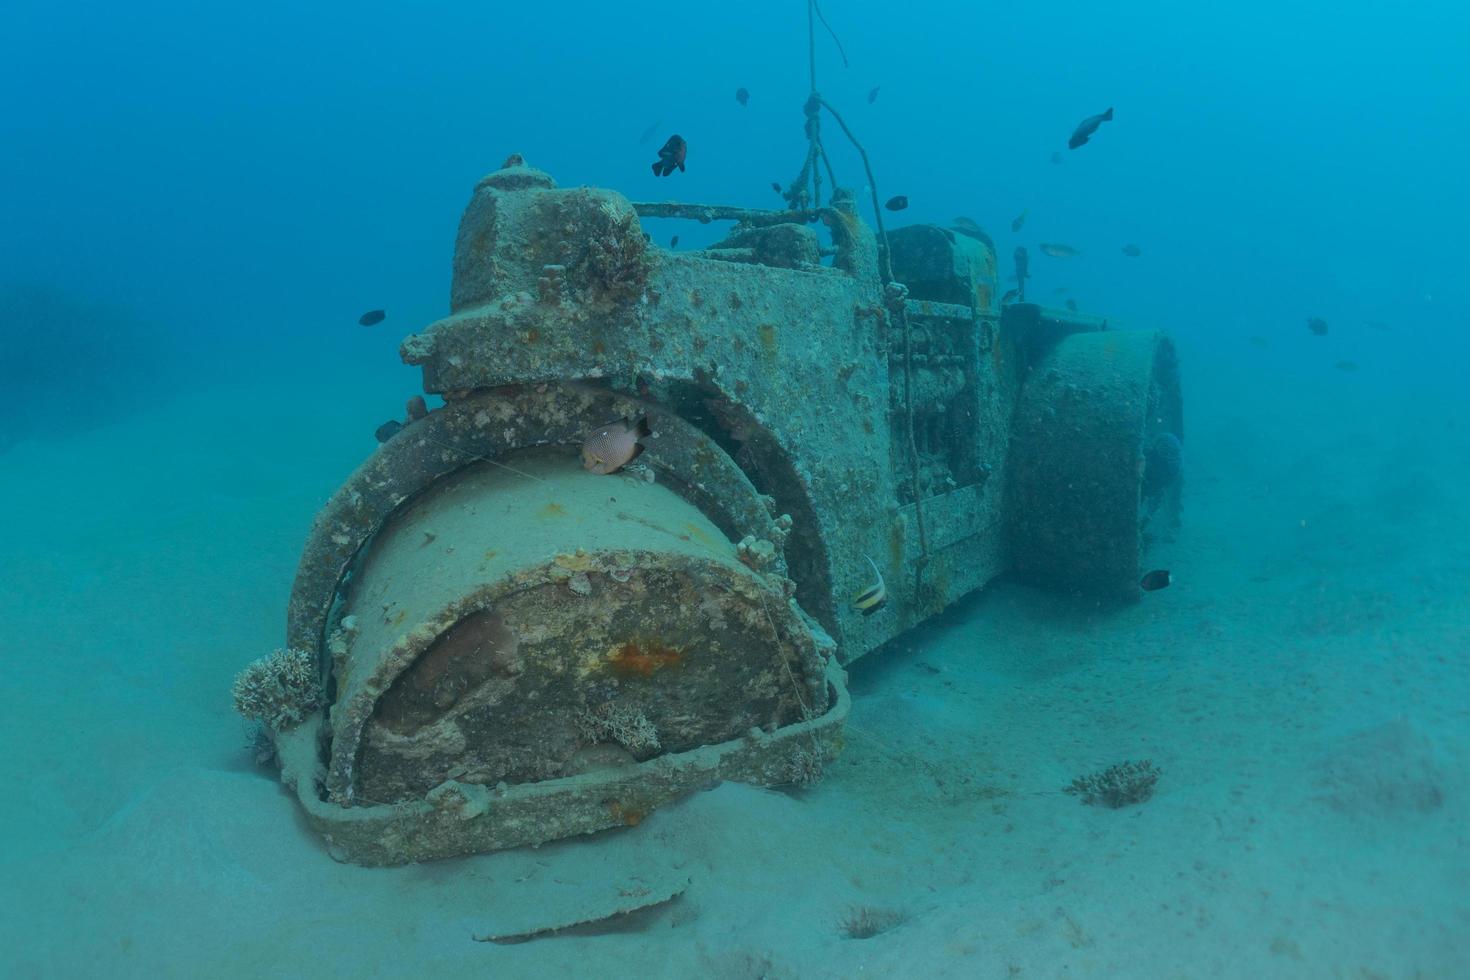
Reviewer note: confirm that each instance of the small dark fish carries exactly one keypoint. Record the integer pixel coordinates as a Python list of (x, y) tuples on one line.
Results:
[(1318, 326), (897, 203), (1132, 251), (1058, 251), (609, 448), (871, 599), (1056, 157), (514, 160), (1072, 305), (776, 186), (372, 318), (970, 229), (1087, 127), (674, 242), (1347, 365), (1019, 220), (873, 95), (388, 430), (671, 156), (1010, 296), (742, 96), (1155, 580), (968, 226), (649, 132)]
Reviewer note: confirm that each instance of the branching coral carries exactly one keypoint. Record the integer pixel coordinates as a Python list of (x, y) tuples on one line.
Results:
[(806, 768), (629, 728), (1117, 786), (279, 690)]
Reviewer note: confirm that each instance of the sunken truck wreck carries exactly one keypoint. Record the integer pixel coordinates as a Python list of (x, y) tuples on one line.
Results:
[(513, 648)]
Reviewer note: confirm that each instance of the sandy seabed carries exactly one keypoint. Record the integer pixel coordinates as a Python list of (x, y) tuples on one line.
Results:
[(1304, 687)]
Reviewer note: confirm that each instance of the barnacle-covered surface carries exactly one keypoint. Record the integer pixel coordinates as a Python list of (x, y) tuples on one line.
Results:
[(485, 426), (496, 608), (456, 818), (1094, 404), (788, 364)]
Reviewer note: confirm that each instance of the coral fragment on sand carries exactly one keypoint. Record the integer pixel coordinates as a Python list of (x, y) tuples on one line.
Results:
[(1117, 786), (806, 768), (279, 690), (865, 921)]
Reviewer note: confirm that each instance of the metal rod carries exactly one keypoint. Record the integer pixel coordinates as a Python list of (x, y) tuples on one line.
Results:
[(705, 213)]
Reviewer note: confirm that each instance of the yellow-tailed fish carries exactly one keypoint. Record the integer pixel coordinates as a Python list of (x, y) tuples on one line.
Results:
[(871, 599)]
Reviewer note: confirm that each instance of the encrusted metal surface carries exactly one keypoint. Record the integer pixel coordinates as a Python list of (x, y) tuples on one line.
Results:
[(458, 818), (499, 615), (487, 425), (517, 651), (1078, 462)]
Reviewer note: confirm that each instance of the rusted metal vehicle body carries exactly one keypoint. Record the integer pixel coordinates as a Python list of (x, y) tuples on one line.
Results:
[(515, 649)]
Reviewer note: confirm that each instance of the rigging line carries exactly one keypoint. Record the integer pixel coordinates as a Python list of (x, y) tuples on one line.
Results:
[(835, 40), (900, 314), (811, 43), (886, 269), (815, 103), (822, 152)]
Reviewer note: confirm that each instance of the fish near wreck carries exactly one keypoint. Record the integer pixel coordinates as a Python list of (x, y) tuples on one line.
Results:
[(1087, 127), (670, 156), (970, 228), (610, 447), (869, 600), (1058, 251)]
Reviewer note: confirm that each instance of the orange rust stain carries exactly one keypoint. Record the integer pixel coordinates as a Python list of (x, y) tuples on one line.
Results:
[(642, 658), (553, 510), (533, 335), (628, 816), (698, 533), (598, 347)]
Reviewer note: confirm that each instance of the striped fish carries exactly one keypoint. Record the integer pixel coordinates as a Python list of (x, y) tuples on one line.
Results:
[(871, 599)]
